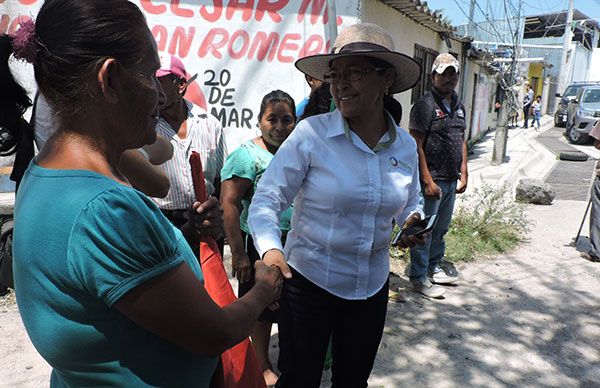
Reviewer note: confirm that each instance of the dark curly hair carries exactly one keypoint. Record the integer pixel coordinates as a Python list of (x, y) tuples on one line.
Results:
[(13, 102)]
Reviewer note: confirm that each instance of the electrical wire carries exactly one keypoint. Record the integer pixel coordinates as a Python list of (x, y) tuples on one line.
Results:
[(478, 25), (513, 33), (490, 22), (547, 8)]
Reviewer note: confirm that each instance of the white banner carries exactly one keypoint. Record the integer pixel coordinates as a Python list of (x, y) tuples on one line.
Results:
[(241, 50)]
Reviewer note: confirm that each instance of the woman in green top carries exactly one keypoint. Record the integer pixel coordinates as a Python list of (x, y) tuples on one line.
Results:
[(240, 175)]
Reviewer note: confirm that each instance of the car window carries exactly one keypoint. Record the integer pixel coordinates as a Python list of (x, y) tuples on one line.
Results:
[(591, 95), (571, 91)]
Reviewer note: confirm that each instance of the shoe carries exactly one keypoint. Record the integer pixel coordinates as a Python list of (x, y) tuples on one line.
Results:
[(428, 289), (444, 273), (4, 290), (441, 277), (396, 296), (590, 257)]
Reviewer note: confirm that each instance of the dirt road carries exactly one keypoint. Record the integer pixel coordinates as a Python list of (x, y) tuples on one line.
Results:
[(527, 319)]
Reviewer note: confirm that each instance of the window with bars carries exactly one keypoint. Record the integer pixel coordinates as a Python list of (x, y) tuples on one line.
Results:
[(425, 56)]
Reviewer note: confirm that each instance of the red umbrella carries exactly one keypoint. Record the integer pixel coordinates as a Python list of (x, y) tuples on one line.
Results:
[(240, 367)]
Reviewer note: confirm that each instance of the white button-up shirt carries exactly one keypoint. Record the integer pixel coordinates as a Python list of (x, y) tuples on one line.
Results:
[(205, 136), (345, 196)]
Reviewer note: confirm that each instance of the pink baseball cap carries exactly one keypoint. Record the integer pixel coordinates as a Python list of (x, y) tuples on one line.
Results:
[(170, 64)]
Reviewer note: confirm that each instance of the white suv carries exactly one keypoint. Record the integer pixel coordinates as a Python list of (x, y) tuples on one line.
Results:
[(582, 114)]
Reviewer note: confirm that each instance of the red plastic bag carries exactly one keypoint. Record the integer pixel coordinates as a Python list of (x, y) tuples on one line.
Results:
[(240, 368)]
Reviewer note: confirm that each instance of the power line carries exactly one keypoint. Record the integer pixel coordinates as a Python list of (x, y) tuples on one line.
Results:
[(547, 8), (513, 34), (471, 20), (490, 22)]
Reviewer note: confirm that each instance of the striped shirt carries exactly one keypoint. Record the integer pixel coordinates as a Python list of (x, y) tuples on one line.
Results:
[(205, 136)]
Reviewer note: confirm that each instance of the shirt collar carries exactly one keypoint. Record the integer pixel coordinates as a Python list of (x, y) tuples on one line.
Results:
[(439, 98), (336, 128), (382, 145)]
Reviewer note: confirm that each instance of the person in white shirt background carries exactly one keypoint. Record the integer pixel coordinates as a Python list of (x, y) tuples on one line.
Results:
[(189, 128), (536, 107), (349, 174)]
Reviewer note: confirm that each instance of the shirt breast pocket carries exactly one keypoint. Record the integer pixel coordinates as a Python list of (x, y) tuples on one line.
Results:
[(399, 182)]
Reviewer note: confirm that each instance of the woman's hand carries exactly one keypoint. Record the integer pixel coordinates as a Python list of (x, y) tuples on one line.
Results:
[(409, 241), (275, 257), (270, 279), (240, 267), (206, 218)]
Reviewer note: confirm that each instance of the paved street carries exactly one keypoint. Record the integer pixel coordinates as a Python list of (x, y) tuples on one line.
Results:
[(524, 319)]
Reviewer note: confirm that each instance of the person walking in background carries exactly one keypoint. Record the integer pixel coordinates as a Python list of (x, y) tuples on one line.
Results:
[(189, 128), (527, 101), (108, 290), (349, 173), (437, 122), (536, 107), (241, 173)]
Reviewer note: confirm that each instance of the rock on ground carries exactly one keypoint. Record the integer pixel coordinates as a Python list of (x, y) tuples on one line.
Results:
[(534, 191)]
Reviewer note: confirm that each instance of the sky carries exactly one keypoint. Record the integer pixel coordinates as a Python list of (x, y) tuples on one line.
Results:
[(457, 10)]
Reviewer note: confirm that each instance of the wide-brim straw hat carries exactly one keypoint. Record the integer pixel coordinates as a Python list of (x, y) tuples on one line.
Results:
[(370, 40)]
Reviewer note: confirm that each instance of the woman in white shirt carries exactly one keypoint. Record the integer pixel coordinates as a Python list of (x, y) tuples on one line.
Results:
[(349, 173)]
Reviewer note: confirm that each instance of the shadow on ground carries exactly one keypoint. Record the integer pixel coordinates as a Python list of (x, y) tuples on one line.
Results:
[(524, 319), (529, 318), (498, 334)]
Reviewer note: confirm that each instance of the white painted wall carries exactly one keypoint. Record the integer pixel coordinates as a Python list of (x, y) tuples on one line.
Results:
[(594, 70), (579, 69)]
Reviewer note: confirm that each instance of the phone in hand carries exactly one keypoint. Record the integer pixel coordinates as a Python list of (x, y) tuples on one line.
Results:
[(417, 229)]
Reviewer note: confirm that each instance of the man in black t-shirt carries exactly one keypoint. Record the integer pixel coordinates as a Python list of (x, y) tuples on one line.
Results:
[(438, 123)]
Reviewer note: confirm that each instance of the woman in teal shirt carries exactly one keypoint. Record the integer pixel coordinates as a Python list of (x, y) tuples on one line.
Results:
[(108, 290), (240, 175)]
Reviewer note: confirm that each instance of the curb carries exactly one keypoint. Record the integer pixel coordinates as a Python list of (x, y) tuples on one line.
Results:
[(526, 159)]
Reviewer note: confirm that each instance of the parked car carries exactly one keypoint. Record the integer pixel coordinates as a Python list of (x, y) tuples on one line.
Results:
[(560, 116), (582, 113)]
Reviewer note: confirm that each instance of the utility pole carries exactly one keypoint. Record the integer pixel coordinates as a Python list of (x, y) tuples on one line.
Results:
[(501, 137), (564, 62), (471, 31), (331, 29), (471, 25)]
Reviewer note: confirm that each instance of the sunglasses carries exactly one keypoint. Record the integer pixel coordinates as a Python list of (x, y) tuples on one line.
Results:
[(351, 74)]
